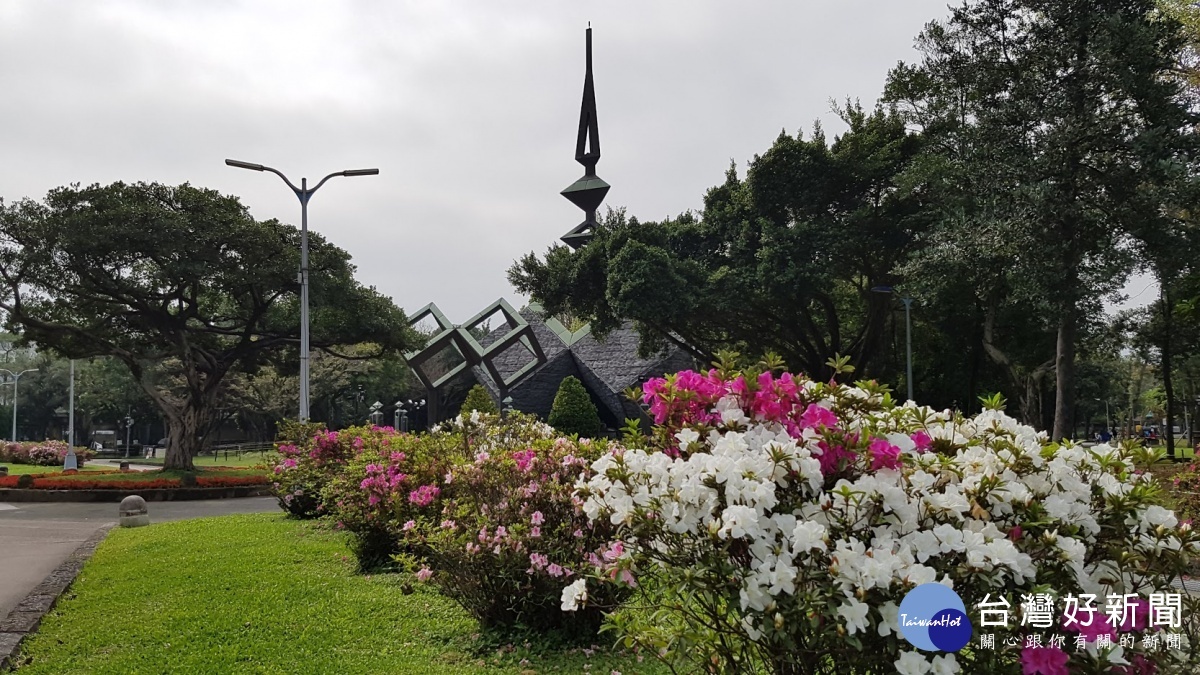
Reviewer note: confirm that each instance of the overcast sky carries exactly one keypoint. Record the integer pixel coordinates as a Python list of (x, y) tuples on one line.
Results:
[(468, 109)]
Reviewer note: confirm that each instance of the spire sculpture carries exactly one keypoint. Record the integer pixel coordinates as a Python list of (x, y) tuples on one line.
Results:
[(588, 191)]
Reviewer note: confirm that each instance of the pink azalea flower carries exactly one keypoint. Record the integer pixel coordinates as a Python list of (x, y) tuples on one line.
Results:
[(1044, 661), (554, 570), (816, 416), (923, 441), (536, 532), (537, 518), (424, 573), (409, 525), (884, 455)]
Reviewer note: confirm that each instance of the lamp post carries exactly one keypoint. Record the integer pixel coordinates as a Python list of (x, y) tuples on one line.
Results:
[(128, 428), (396, 417), (907, 334), (71, 413), (15, 379), (376, 414), (303, 193)]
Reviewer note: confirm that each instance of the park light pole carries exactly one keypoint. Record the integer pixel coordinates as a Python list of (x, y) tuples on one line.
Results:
[(376, 416), (128, 426), (907, 333), (303, 193), (15, 379)]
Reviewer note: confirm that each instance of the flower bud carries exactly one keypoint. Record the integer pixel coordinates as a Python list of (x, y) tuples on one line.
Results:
[(778, 621), (714, 526)]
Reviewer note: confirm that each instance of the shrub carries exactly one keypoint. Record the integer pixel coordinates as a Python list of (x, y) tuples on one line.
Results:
[(510, 534), (479, 400), (389, 480), (309, 457), (392, 479), (780, 522), (573, 411), (1187, 491), (45, 453)]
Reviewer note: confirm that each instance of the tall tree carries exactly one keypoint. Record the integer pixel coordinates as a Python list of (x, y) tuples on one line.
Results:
[(781, 261), (180, 285), (1060, 120)]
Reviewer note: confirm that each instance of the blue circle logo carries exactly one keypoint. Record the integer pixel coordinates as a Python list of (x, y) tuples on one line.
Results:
[(934, 619)]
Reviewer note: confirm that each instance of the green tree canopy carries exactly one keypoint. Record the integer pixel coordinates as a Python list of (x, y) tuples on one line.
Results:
[(573, 411), (179, 284), (783, 261)]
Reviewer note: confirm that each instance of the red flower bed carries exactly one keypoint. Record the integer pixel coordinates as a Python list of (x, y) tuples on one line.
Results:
[(60, 482)]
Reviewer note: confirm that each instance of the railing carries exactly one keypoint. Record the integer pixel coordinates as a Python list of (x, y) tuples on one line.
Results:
[(237, 450)]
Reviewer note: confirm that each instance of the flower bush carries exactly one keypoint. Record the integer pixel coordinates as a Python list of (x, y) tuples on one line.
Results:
[(775, 524), (309, 457), (510, 533), (381, 479), (45, 453), (390, 479), (1186, 486)]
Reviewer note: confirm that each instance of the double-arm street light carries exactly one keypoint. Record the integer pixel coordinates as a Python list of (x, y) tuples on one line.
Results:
[(15, 379), (303, 193)]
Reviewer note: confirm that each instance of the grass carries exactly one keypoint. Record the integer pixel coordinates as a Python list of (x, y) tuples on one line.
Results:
[(264, 594), (247, 459), (20, 469)]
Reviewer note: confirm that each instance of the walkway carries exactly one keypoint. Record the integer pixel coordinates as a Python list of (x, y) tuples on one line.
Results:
[(37, 537)]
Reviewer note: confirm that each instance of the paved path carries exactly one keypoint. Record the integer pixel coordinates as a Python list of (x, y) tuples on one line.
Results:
[(116, 464), (37, 537)]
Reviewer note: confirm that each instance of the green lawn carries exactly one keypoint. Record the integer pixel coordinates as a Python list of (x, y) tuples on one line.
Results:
[(247, 459), (18, 469), (263, 594)]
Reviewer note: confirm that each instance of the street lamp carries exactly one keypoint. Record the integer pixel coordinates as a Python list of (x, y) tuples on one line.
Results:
[(907, 333), (303, 193), (376, 415), (1107, 422), (396, 417), (15, 379), (128, 427)]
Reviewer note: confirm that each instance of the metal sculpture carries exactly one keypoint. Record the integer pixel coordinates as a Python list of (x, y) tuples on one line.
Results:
[(588, 192)]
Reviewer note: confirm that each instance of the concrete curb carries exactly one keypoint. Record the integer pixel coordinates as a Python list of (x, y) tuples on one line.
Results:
[(116, 495), (25, 618)]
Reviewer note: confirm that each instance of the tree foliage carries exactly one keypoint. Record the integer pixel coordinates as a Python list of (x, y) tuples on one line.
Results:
[(180, 285), (478, 399), (573, 411), (782, 261)]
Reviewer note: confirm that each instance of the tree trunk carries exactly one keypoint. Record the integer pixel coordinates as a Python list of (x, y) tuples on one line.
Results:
[(1064, 374), (187, 435), (1168, 389)]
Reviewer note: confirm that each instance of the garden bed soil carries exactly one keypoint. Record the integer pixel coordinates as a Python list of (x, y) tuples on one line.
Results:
[(117, 494)]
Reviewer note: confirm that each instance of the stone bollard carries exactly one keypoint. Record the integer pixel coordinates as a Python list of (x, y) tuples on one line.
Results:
[(124, 466), (133, 512), (3, 471)]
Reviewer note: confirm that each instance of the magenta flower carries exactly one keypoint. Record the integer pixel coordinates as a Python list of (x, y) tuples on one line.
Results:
[(424, 495), (536, 532), (816, 416), (884, 455), (923, 441), (1044, 661)]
